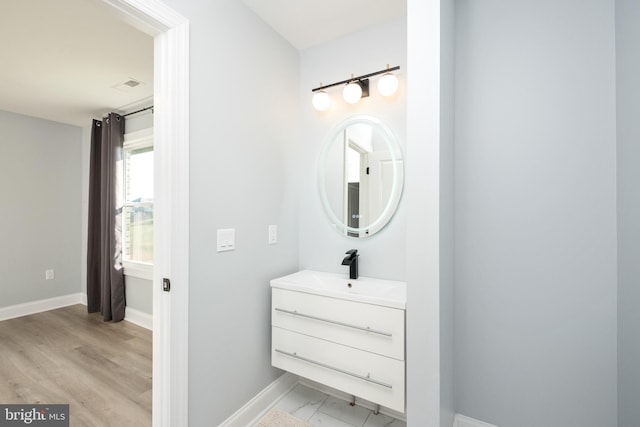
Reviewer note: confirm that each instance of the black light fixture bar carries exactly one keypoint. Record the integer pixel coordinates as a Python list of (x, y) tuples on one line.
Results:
[(364, 76)]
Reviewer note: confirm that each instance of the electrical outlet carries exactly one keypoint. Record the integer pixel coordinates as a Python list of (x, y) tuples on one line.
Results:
[(273, 234), (49, 275)]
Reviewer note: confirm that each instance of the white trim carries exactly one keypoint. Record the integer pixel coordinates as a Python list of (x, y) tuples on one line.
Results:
[(462, 421), (149, 16), (254, 409), (138, 317), (138, 269), (171, 209), (171, 233), (133, 138), (422, 181), (137, 143), (132, 315), (39, 306)]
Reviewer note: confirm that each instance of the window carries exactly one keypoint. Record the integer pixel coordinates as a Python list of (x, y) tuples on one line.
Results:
[(137, 217)]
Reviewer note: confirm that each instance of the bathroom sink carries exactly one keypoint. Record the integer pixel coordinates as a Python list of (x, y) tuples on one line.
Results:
[(388, 293)]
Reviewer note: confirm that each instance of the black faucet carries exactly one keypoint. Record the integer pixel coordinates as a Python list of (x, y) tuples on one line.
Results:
[(352, 261)]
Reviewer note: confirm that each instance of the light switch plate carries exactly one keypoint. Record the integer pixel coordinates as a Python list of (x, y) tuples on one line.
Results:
[(273, 234), (226, 239), (49, 275)]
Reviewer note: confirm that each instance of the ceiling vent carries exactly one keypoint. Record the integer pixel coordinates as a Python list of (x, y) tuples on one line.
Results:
[(128, 85)]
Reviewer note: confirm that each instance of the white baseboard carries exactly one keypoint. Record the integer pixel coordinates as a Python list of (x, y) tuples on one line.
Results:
[(39, 306), (253, 410), (462, 421), (140, 318), (132, 315)]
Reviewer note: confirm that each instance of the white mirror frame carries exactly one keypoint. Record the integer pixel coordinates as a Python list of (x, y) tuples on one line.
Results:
[(397, 186)]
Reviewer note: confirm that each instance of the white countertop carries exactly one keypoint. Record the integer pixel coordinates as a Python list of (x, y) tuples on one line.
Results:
[(388, 293)]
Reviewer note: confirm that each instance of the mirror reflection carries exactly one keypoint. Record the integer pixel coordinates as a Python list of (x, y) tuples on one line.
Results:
[(361, 176)]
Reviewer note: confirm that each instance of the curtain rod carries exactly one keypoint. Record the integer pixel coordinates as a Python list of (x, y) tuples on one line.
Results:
[(139, 111)]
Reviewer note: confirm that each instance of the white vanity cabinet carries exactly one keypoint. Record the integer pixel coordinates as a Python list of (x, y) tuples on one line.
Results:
[(337, 340)]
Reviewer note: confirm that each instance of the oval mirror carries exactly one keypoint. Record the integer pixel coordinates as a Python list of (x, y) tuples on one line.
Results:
[(360, 176)]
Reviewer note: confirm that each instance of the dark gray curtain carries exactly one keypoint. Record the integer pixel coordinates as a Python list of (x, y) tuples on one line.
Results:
[(105, 278)]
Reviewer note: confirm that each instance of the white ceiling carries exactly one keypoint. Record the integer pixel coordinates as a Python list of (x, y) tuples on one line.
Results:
[(63, 59), (307, 23)]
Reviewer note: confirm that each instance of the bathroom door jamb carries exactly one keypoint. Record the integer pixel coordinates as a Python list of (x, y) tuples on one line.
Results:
[(171, 203)]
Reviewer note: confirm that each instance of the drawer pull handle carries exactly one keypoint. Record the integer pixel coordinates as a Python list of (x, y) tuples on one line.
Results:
[(342, 371), (361, 328)]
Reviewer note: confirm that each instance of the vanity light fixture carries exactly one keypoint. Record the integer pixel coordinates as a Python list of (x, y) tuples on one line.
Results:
[(388, 83), (321, 100), (356, 88)]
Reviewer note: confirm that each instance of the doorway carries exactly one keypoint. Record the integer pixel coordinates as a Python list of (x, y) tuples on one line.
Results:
[(171, 205)]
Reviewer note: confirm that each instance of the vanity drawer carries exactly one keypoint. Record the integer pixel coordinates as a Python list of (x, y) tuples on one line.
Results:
[(366, 375), (369, 327)]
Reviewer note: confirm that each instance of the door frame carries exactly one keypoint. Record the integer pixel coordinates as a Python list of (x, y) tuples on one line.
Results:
[(171, 203)]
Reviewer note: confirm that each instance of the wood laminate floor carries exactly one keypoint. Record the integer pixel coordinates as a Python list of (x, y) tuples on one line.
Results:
[(102, 370)]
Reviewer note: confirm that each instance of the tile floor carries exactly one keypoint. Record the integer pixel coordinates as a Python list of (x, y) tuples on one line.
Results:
[(321, 410)]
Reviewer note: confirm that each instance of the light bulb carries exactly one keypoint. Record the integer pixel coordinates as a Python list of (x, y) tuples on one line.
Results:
[(388, 84), (352, 92), (321, 100)]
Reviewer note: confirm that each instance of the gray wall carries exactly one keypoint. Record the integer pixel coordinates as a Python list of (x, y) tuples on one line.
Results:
[(321, 246), (628, 111), (243, 144), (536, 213), (40, 186), (139, 294)]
